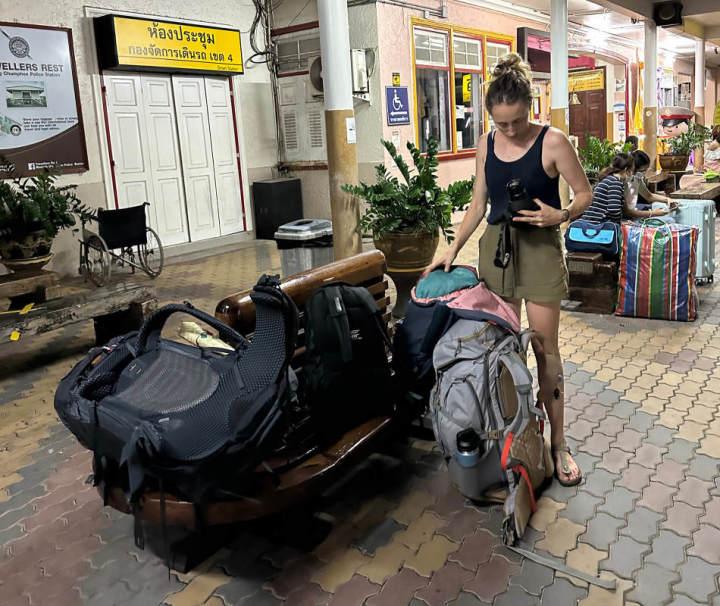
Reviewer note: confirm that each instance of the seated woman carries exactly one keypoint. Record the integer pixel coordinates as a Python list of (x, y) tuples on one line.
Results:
[(712, 152), (637, 195), (609, 201), (632, 142)]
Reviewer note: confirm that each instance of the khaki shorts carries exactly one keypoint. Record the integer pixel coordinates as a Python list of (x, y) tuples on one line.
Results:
[(536, 272)]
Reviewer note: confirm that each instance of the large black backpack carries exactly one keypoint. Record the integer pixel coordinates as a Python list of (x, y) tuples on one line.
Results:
[(156, 412), (347, 377)]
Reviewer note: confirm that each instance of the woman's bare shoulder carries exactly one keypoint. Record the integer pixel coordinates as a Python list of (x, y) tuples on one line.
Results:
[(555, 135), (482, 146)]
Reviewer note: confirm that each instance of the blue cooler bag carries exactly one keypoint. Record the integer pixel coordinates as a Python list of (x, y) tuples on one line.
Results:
[(584, 236)]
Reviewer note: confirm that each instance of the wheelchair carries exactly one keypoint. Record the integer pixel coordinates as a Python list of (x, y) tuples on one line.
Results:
[(123, 238)]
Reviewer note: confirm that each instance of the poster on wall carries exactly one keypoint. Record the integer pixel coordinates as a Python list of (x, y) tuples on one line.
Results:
[(397, 105), (40, 120)]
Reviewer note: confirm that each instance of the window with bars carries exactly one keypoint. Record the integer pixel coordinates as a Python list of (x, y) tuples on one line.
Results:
[(468, 80), (431, 48), (297, 55), (449, 94), (467, 52), (432, 75), (493, 52)]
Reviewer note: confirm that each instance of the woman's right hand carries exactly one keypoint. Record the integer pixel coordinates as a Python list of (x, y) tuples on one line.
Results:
[(445, 261)]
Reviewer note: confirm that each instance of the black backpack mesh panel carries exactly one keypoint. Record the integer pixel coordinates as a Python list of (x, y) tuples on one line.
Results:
[(172, 383)]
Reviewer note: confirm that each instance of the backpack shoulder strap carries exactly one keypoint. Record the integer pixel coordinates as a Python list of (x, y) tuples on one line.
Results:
[(368, 302), (522, 382), (339, 318)]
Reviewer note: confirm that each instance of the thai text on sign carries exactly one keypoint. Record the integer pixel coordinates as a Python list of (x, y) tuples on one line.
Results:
[(161, 44), (586, 80)]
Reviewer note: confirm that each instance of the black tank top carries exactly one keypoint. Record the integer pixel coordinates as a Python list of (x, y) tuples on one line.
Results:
[(529, 169)]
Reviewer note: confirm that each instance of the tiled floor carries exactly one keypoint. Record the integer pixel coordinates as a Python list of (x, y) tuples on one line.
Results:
[(642, 414)]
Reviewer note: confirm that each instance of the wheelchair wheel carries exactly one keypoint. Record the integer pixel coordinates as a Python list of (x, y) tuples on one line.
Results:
[(151, 254), (97, 260)]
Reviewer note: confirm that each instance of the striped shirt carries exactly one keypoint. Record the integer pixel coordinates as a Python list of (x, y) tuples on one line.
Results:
[(607, 202)]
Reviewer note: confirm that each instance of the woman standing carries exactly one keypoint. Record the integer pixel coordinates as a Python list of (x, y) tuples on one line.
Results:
[(535, 271)]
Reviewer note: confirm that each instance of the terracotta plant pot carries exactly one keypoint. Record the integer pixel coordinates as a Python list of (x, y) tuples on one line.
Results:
[(407, 254), (408, 250), (673, 163), (27, 267), (34, 244)]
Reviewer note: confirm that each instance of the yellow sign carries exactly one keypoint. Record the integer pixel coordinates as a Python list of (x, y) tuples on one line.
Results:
[(716, 117), (164, 45), (586, 80), (467, 88), (396, 79)]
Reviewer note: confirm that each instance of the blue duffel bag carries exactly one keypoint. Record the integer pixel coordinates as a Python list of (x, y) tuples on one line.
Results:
[(585, 236)]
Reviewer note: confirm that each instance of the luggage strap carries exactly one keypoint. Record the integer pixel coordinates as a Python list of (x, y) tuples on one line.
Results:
[(553, 564)]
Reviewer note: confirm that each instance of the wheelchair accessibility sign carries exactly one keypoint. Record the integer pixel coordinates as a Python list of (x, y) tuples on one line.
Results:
[(398, 106)]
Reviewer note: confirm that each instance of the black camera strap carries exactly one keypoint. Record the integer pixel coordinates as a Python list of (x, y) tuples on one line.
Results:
[(503, 252)]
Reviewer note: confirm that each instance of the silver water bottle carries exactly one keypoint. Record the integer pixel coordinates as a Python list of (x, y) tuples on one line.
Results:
[(468, 448)]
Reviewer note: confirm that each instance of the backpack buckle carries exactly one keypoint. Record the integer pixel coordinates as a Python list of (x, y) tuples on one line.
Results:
[(493, 434)]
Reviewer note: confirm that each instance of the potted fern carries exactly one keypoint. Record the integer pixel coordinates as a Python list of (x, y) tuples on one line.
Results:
[(407, 215), (32, 213), (597, 155)]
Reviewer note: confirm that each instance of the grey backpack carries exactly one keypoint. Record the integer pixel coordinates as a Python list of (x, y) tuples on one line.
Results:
[(484, 419)]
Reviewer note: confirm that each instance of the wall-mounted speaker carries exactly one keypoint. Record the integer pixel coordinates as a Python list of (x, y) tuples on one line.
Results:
[(666, 14)]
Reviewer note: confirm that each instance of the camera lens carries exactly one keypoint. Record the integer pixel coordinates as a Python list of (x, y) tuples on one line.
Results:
[(515, 189)]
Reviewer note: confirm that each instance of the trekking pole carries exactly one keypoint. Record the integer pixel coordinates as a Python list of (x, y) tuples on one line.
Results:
[(609, 584)]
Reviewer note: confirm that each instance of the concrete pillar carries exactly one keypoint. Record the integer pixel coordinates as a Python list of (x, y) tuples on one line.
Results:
[(650, 91), (559, 75), (699, 98), (339, 125)]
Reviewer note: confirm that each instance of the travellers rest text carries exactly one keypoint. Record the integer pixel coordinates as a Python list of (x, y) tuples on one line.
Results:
[(32, 67)]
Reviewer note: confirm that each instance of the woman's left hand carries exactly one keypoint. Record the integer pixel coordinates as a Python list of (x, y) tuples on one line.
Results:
[(546, 216)]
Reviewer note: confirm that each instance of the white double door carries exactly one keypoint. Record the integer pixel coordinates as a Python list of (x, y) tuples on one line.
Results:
[(173, 145)]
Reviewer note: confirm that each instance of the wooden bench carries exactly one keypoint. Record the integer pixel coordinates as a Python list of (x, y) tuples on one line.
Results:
[(313, 474), (366, 269)]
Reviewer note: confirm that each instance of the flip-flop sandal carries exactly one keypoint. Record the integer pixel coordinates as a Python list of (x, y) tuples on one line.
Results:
[(563, 450)]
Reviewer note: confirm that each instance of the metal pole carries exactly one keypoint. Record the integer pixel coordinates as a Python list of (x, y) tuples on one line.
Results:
[(699, 98), (650, 123), (339, 125), (559, 76)]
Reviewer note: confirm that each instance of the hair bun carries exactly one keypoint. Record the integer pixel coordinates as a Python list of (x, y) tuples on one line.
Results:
[(513, 66), (511, 82)]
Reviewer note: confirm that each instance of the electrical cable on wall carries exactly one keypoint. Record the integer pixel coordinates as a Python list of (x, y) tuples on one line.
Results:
[(266, 55)]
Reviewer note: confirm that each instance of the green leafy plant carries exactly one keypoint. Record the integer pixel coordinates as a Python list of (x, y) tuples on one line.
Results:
[(683, 144), (598, 154), (35, 205), (414, 204)]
